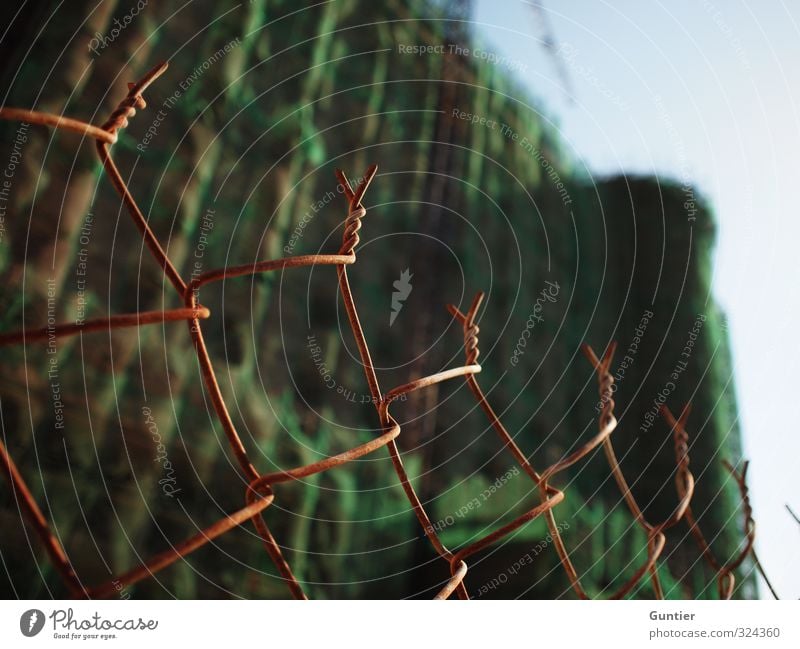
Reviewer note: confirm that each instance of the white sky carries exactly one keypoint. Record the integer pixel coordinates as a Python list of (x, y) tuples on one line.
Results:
[(729, 80)]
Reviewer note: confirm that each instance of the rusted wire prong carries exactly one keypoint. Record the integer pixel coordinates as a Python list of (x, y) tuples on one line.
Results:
[(725, 576), (684, 480), (468, 318), (355, 197), (607, 419), (350, 240), (471, 351), (344, 182), (152, 74), (117, 120), (679, 426), (104, 324), (679, 423), (168, 557), (356, 211), (471, 330), (549, 496), (749, 522), (364, 185), (601, 366), (133, 100)]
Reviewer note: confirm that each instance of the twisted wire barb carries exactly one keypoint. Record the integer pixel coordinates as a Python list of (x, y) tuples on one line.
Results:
[(259, 494), (726, 579), (551, 496)]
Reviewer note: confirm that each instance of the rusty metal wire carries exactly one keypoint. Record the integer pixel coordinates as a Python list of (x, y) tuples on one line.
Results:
[(260, 494)]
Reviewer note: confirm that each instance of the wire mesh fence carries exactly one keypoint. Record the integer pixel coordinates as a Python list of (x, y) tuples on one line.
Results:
[(260, 492)]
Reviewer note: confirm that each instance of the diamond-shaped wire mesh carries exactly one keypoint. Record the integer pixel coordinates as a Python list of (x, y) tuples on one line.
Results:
[(259, 493)]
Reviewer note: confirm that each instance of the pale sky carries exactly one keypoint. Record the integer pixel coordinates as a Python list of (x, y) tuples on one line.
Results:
[(708, 90)]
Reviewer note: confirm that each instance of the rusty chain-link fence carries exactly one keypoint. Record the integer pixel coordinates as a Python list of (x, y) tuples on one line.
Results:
[(260, 492)]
